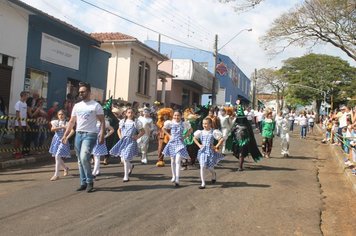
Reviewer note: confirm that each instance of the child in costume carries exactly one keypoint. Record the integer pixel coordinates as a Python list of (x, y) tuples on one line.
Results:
[(225, 124), (175, 148), (57, 148), (163, 115), (244, 141), (207, 155), (129, 131), (100, 149), (192, 148), (143, 142), (268, 126), (284, 135)]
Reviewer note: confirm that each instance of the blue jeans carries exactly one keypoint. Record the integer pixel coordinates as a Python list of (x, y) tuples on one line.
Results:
[(84, 144), (303, 131)]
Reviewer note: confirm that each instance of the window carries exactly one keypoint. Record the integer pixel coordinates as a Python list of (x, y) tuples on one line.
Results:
[(143, 78), (36, 82)]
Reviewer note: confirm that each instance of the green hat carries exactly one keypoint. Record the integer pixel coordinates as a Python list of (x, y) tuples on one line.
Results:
[(108, 104)]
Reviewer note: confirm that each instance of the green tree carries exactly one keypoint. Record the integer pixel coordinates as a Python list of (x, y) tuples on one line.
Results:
[(272, 81), (314, 22), (320, 72), (242, 5)]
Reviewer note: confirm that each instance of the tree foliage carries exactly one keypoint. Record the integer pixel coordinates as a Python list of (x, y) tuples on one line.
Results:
[(269, 80), (243, 5), (315, 22), (323, 74)]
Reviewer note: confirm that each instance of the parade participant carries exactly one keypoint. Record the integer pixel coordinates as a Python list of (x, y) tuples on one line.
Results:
[(207, 155), (84, 115), (101, 149), (215, 119), (130, 130), (163, 115), (291, 120), (303, 123), (244, 141), (268, 126), (279, 119), (225, 124), (192, 148), (175, 148), (58, 149), (284, 134), (143, 142)]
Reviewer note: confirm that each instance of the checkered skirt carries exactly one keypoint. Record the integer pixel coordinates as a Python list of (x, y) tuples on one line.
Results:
[(57, 148), (126, 147), (176, 146), (206, 155)]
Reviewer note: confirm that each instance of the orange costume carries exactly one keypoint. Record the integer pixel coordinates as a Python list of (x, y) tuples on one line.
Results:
[(163, 114)]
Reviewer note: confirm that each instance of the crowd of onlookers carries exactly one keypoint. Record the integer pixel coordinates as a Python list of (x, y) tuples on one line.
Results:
[(340, 130)]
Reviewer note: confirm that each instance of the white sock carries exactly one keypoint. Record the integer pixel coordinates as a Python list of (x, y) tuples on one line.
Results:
[(127, 168), (58, 165), (202, 169), (173, 168), (178, 159), (96, 169)]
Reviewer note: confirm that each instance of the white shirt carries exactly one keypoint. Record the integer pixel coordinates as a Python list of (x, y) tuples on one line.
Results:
[(303, 121), (259, 116), (86, 113), (22, 108), (216, 134), (147, 124)]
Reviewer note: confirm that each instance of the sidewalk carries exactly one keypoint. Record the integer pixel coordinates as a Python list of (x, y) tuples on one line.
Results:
[(339, 155)]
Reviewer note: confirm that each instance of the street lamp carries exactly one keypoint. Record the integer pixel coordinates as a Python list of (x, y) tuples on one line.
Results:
[(216, 49)]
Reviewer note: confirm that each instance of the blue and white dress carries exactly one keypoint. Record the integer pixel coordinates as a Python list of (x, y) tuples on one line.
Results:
[(57, 148), (176, 146), (206, 155), (127, 147), (100, 149)]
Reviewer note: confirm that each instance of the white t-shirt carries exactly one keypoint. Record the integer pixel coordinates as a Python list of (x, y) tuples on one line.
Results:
[(22, 108), (86, 113)]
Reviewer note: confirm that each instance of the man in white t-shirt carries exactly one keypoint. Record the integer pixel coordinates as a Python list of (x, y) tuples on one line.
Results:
[(85, 114), (20, 122)]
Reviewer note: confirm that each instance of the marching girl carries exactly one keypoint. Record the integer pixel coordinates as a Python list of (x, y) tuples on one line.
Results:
[(207, 154), (143, 142), (175, 148), (100, 149), (57, 148), (129, 131)]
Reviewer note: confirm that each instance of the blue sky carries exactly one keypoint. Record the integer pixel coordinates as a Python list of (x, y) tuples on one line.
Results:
[(193, 22)]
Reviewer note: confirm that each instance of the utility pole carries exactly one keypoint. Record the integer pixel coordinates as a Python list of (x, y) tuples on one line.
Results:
[(254, 90), (216, 54), (213, 90)]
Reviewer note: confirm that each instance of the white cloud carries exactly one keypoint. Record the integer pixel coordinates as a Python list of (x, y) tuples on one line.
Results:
[(194, 22)]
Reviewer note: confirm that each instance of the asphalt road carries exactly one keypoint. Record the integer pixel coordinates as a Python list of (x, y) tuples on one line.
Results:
[(277, 196)]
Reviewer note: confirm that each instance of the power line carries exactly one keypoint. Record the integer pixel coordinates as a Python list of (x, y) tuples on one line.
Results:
[(138, 24)]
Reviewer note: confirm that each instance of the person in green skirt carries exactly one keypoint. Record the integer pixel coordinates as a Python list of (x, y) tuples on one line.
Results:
[(268, 126)]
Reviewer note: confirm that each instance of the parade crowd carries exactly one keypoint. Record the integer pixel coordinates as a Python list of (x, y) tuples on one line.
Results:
[(198, 137)]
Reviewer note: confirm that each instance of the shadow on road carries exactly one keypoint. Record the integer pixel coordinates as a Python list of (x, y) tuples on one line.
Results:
[(242, 184), (271, 168), (12, 181), (133, 188)]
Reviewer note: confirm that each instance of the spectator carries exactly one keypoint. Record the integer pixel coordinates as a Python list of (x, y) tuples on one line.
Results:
[(311, 120), (291, 120), (20, 122), (52, 111), (3, 121), (303, 123)]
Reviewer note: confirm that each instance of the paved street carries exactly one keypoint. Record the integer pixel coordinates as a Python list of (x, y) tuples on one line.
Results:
[(277, 196)]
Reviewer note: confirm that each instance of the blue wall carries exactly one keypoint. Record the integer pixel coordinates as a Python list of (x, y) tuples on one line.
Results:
[(93, 62), (227, 81)]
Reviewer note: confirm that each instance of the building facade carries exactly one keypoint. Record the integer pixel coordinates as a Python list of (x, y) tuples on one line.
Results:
[(132, 69), (52, 57), (234, 84)]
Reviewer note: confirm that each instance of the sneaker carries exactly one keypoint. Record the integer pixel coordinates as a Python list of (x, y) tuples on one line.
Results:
[(202, 187), (66, 171), (144, 161), (160, 164), (82, 188), (184, 168), (54, 178), (90, 188)]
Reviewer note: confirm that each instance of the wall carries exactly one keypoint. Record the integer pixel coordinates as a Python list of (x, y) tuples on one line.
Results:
[(13, 42), (93, 62)]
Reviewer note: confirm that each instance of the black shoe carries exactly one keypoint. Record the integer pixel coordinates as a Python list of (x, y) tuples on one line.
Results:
[(132, 167), (201, 187), (213, 181), (176, 185), (126, 180), (82, 187), (90, 188)]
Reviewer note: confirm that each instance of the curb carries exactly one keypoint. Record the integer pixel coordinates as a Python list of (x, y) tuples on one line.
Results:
[(338, 153), (23, 161)]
